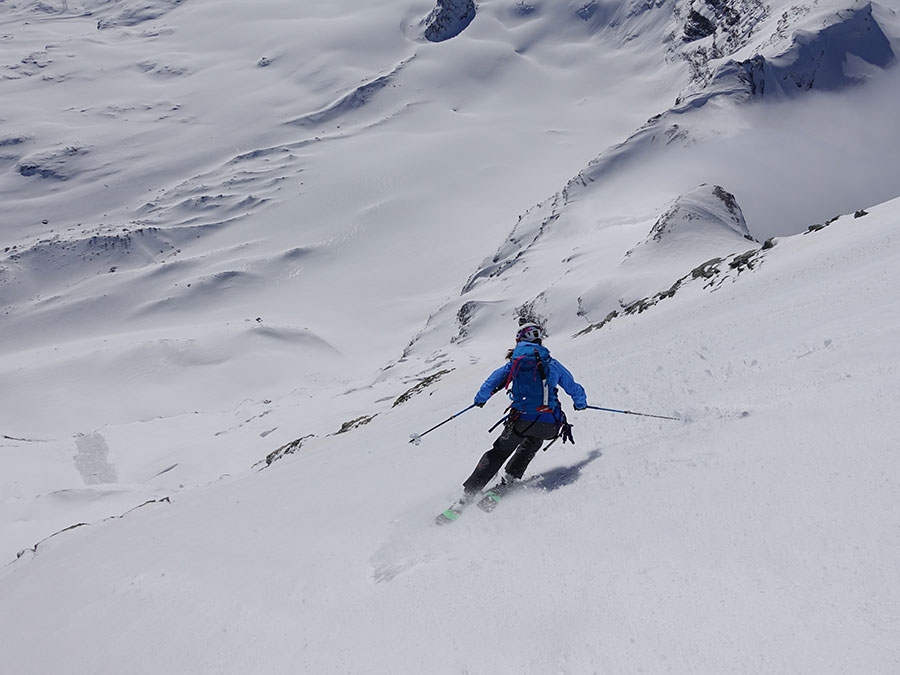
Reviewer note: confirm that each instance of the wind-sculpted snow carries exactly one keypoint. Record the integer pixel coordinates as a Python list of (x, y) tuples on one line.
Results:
[(48, 266), (135, 12), (353, 100), (229, 192), (61, 164), (109, 14)]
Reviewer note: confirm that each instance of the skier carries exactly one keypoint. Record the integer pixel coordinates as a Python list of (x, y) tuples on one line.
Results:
[(535, 416)]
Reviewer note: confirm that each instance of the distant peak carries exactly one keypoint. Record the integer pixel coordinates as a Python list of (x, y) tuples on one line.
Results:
[(708, 208), (808, 49)]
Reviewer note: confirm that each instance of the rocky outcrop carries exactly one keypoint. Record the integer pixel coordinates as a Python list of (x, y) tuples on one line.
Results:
[(806, 52), (448, 19)]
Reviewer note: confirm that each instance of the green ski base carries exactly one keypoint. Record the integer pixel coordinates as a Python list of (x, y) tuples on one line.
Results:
[(493, 496), (449, 516), (490, 500), (487, 503)]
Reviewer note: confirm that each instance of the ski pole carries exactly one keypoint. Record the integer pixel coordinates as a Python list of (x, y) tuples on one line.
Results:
[(547, 447), (499, 422), (417, 438), (629, 412), (565, 433)]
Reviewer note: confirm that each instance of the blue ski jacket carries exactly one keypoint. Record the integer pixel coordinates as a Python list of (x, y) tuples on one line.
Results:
[(557, 376)]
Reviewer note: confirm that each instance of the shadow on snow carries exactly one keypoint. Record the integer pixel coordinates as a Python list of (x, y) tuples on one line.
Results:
[(561, 476)]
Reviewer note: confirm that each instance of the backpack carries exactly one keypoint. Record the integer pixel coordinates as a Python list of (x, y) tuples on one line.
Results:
[(527, 383)]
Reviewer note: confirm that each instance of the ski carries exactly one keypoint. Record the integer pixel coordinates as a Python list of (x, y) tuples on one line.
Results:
[(487, 503), (493, 496), (450, 514), (490, 500)]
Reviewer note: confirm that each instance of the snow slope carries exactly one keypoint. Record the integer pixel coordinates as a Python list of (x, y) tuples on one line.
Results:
[(755, 536), (248, 249)]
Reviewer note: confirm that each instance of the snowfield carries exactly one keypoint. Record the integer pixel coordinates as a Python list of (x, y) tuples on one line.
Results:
[(249, 249)]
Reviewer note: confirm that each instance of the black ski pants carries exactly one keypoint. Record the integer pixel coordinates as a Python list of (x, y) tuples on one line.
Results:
[(524, 438)]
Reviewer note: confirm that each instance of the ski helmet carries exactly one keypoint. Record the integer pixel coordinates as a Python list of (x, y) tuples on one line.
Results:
[(529, 332)]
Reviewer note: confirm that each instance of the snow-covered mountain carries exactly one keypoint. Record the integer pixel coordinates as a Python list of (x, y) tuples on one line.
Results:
[(248, 249)]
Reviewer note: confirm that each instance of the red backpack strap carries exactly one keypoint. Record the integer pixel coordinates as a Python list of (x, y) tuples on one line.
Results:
[(512, 372)]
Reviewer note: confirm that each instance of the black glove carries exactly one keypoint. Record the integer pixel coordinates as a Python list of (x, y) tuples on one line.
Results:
[(479, 405)]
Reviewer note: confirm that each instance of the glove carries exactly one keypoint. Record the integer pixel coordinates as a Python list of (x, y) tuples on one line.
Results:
[(479, 404), (580, 407)]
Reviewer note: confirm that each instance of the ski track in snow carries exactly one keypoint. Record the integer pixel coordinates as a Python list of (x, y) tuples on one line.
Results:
[(92, 460), (415, 539)]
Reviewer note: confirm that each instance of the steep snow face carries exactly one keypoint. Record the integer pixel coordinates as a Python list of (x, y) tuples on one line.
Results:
[(706, 223), (240, 231), (209, 207), (723, 129), (648, 546)]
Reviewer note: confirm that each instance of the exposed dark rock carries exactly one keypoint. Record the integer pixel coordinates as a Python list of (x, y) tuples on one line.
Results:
[(587, 10), (712, 271), (523, 8), (448, 19), (697, 27), (815, 60), (286, 449), (707, 270), (355, 423), (463, 316), (744, 260), (420, 387)]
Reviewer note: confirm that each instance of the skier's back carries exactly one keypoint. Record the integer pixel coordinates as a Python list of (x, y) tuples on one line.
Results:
[(532, 377)]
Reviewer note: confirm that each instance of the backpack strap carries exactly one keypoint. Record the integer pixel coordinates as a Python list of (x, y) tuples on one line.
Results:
[(512, 372), (542, 371)]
